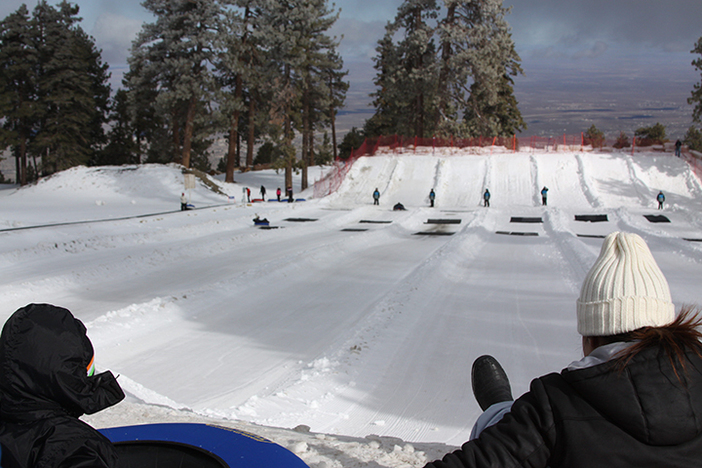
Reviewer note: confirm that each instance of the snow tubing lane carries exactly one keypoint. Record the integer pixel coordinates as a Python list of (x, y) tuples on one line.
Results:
[(188, 445)]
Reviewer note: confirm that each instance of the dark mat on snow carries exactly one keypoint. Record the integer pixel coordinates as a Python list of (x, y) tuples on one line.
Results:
[(443, 221), (434, 233), (268, 228), (597, 218), (372, 221), (300, 220), (514, 233), (517, 219), (354, 230), (657, 218), (592, 236), (691, 239)]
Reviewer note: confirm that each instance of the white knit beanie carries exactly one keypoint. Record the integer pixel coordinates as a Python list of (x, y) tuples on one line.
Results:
[(624, 290)]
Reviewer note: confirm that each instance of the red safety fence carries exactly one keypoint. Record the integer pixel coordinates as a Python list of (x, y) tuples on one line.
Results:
[(391, 143), (332, 180), (694, 159)]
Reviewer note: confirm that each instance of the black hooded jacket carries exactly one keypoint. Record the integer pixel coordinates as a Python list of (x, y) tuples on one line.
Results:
[(45, 387), (598, 416)]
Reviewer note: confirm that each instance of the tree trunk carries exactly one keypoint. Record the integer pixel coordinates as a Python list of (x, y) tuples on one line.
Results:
[(419, 113), (446, 54), (231, 150), (17, 169), (233, 134), (188, 135), (252, 134), (305, 136), (177, 156), (22, 174)]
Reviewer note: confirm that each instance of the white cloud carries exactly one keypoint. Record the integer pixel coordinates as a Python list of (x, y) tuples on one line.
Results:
[(114, 34), (595, 51)]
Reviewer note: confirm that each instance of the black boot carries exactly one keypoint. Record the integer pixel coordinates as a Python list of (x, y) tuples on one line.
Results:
[(490, 382)]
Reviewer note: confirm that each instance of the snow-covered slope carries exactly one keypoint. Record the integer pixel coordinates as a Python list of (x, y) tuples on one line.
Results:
[(354, 321)]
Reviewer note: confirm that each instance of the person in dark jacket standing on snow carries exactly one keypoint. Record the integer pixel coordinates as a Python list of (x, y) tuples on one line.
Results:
[(544, 195), (432, 197), (635, 399), (660, 198), (376, 197), (486, 198), (47, 382)]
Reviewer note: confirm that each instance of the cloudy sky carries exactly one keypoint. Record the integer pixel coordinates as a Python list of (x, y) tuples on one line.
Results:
[(567, 47)]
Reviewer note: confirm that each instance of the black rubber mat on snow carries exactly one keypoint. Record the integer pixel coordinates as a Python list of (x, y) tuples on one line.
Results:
[(597, 218), (513, 233), (657, 218), (443, 221)]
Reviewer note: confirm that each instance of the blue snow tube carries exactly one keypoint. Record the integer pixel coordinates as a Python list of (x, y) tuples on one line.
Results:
[(187, 445)]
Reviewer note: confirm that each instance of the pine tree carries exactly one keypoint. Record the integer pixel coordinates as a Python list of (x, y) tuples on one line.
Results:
[(337, 94), (696, 98), (387, 97), (174, 55), (294, 34), (123, 145), (477, 46), (58, 95), (18, 61), (406, 102), (319, 63), (73, 89), (465, 88), (237, 67)]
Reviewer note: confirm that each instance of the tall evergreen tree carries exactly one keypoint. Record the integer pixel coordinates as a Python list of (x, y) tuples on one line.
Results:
[(174, 56), (318, 60), (294, 33), (696, 98), (55, 88), (406, 102), (18, 62), (337, 93), (478, 63), (72, 89), (464, 88), (238, 74), (388, 95), (123, 144)]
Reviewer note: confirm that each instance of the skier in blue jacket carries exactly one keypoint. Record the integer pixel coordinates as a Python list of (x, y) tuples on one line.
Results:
[(660, 198), (486, 198)]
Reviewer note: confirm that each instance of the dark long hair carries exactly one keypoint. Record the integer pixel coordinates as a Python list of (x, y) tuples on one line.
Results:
[(675, 339)]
